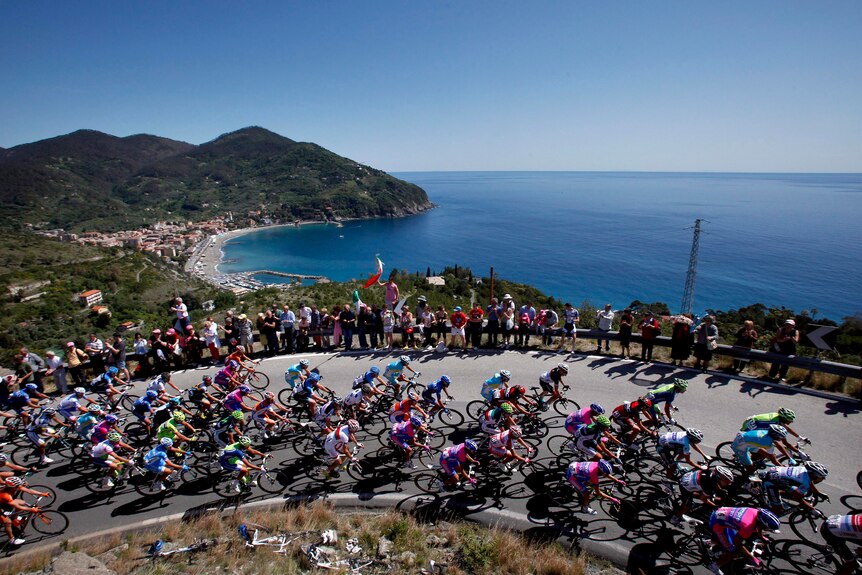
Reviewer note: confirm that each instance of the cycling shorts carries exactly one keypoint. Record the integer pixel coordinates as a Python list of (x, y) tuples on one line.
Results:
[(228, 466), (449, 465), (157, 466)]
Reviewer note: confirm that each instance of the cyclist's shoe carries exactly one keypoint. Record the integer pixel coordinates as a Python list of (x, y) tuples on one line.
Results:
[(237, 487), (252, 483), (331, 475), (46, 460), (714, 568), (589, 510), (410, 464), (108, 482), (161, 486), (675, 521), (18, 541)]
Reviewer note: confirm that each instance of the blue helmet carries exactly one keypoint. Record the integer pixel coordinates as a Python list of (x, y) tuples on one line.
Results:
[(314, 376), (375, 370), (415, 421), (768, 519), (471, 445), (444, 379), (597, 409), (113, 370), (605, 467), (175, 400), (31, 387), (152, 394), (244, 389)]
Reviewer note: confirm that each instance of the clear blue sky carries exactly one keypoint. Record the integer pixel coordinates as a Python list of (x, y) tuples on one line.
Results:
[(413, 85)]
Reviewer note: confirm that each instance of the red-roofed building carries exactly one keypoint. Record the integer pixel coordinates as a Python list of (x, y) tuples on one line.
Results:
[(90, 297)]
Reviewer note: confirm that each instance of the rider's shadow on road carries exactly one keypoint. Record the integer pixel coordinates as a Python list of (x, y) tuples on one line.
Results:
[(622, 370)]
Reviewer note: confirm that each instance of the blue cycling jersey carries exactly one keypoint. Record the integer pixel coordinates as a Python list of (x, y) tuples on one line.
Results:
[(142, 405), (435, 387)]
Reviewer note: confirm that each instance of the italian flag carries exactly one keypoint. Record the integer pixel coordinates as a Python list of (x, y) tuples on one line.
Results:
[(372, 280)]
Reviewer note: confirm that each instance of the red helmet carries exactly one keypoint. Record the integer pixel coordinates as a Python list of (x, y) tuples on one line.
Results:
[(517, 391)]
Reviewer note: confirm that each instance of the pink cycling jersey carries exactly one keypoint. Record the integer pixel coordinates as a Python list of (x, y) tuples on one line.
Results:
[(583, 416), (743, 520)]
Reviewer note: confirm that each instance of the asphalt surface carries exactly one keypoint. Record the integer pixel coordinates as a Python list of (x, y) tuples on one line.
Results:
[(714, 402)]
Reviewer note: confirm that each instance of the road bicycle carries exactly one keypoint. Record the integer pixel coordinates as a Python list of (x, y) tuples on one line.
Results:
[(256, 379), (157, 550), (227, 484)]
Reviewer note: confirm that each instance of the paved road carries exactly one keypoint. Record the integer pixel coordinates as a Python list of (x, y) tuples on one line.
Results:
[(715, 403)]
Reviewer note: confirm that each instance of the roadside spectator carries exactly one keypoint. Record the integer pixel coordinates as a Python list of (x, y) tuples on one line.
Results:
[(474, 325), (182, 312), (246, 333), (314, 327), (526, 320), (459, 323), (784, 343), (288, 320), (37, 364), (159, 351), (492, 312), (94, 349), (301, 333), (680, 339), (408, 339), (116, 350), (546, 324), (650, 330), (258, 324), (269, 330), (365, 325), (173, 350), (427, 322), (507, 319), (377, 335), (142, 350), (571, 317), (605, 323), (23, 371), (57, 370), (392, 293), (231, 333), (347, 320), (441, 316), (627, 321), (388, 320), (211, 339), (705, 341), (336, 326), (325, 325), (746, 337), (192, 346), (421, 306)]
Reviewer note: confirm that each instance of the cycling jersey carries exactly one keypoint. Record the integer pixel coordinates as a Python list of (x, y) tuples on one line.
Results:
[(102, 450), (452, 458), (19, 399), (793, 479), (324, 412), (222, 377), (168, 429), (675, 441), (102, 382), (698, 482), (498, 444), (491, 385), (42, 420), (367, 377), (503, 395), (662, 394), (581, 474), (576, 419), (232, 455), (142, 407), (353, 398), (762, 421), (845, 526), (403, 431), (100, 432), (157, 385), (85, 424), (154, 459), (628, 410), (69, 406), (394, 371), (727, 522), (233, 400), (434, 388), (293, 376), (401, 410), (259, 411), (198, 392), (336, 440)]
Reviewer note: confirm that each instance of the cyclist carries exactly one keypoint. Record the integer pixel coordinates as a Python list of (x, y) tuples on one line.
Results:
[(677, 445), (838, 531), (104, 383), (164, 412), (511, 395), (25, 399), (10, 488), (70, 407), (452, 462), (101, 430), (39, 432), (105, 456), (707, 486), (628, 417), (583, 416), (159, 382), (307, 392), (296, 374), (265, 413), (234, 400), (783, 417), (238, 355), (337, 444), (796, 482), (497, 381), (550, 382), (732, 526), (200, 394), (753, 446), (590, 439), (666, 394), (233, 458), (496, 418), (143, 407), (371, 377), (432, 395), (158, 461), (403, 410), (86, 423), (584, 477), (394, 373), (501, 446), (403, 435), (227, 378), (324, 414), (227, 429), (169, 428), (356, 399)]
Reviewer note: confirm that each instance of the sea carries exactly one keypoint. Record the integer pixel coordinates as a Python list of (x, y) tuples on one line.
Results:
[(789, 240)]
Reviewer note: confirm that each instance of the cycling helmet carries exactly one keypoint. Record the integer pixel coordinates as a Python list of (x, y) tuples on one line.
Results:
[(694, 435), (303, 363), (564, 367), (175, 400), (515, 431), (113, 370), (471, 445), (353, 425), (244, 389), (680, 385), (602, 421), (237, 414), (415, 421), (94, 408), (404, 359), (507, 407), (768, 519), (777, 432), (444, 379), (365, 388), (785, 414), (31, 387), (111, 418), (245, 440), (49, 411), (269, 395), (817, 470), (233, 364), (596, 409), (314, 376), (505, 374), (79, 391), (605, 467), (207, 379), (114, 437), (152, 394), (14, 481), (179, 416), (646, 403), (721, 472), (413, 396), (3, 458), (517, 391), (375, 370), (166, 441)]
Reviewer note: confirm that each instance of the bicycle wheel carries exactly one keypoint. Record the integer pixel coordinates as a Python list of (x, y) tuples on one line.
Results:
[(655, 502), (128, 400), (429, 482), (136, 434), (724, 451), (859, 479), (271, 482), (562, 445), (226, 485), (450, 418), (26, 457), (147, 485), (803, 523), (806, 558), (37, 500), (49, 522), (258, 380), (534, 427), (565, 406), (476, 408), (306, 445)]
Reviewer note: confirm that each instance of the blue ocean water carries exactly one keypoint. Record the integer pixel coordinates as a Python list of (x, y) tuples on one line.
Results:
[(778, 239)]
